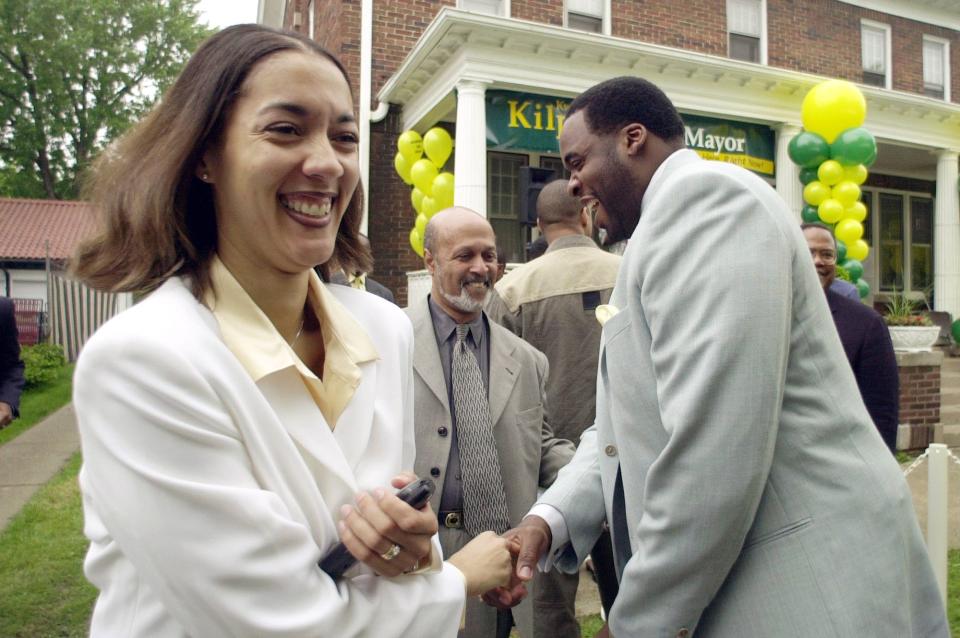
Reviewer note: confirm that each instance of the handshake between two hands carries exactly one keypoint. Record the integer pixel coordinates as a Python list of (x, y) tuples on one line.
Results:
[(525, 543)]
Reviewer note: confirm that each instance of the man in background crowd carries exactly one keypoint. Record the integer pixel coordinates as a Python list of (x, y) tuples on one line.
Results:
[(865, 338), (11, 366)]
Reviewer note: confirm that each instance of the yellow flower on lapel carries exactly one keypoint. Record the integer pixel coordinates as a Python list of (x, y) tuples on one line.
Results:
[(606, 312)]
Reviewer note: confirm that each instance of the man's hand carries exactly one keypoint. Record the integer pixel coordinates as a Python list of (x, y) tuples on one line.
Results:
[(530, 539), (6, 414)]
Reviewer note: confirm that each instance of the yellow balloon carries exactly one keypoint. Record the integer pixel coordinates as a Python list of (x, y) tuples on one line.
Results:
[(422, 173), (815, 192), (443, 190), (856, 174), (416, 198), (857, 212), (410, 145), (847, 193), (416, 241), (421, 224), (830, 172), (858, 250), (848, 231), (429, 207), (830, 211), (438, 145), (402, 166), (832, 107)]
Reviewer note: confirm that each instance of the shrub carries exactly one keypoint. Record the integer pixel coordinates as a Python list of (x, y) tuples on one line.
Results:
[(42, 362)]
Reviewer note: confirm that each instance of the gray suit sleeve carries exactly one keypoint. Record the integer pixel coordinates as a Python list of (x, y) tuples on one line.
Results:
[(715, 287)]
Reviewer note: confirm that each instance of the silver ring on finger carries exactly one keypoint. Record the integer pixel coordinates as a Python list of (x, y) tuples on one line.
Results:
[(391, 553)]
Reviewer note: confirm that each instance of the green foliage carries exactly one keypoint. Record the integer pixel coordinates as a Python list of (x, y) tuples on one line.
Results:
[(843, 274), (902, 311), (74, 75), (38, 402), (42, 362), (41, 564)]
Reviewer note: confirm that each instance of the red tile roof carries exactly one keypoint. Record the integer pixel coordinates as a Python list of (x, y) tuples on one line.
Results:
[(27, 224)]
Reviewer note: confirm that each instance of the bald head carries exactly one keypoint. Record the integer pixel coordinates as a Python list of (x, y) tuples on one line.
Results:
[(449, 223)]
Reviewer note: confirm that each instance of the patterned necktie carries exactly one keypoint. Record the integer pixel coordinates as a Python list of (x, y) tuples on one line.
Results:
[(484, 502)]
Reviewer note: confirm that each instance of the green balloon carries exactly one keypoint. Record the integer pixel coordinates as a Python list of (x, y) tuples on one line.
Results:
[(841, 251), (809, 150), (854, 146), (854, 268), (810, 214), (808, 175), (863, 288), (955, 330)]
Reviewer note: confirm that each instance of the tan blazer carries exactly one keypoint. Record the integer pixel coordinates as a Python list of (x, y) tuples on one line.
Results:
[(530, 455)]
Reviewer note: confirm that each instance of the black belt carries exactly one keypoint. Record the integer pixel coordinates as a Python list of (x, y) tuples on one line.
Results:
[(452, 519)]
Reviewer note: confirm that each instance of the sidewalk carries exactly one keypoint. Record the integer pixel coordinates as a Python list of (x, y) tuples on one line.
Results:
[(30, 460)]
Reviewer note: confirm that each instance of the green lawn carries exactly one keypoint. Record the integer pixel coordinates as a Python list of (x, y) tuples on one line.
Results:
[(41, 556), (38, 402)]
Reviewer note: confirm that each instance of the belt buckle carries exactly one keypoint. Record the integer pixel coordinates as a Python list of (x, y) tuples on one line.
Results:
[(453, 520)]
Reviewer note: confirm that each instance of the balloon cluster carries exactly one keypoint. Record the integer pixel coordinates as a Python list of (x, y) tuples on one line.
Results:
[(833, 152), (432, 187)]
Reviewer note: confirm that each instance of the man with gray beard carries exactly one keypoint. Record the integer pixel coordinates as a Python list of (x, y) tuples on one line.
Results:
[(480, 406)]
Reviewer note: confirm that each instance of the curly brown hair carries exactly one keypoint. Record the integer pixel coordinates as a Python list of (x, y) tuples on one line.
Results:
[(157, 217)]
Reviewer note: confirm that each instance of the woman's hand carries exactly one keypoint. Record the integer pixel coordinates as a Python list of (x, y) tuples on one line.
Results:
[(486, 563), (380, 521)]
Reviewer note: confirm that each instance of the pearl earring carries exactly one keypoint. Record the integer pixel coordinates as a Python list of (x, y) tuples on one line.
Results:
[(205, 177)]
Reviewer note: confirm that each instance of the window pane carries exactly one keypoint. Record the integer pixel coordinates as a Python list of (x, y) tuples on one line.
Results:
[(743, 17), (933, 63), (891, 242), (482, 6), (875, 79), (503, 202), (584, 23), (555, 164), (874, 47), (586, 7), (921, 243), (744, 47)]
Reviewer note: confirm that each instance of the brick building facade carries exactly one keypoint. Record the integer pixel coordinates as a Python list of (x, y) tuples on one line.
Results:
[(733, 62)]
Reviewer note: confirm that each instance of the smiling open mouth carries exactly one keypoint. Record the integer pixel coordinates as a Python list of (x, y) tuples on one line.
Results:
[(317, 207)]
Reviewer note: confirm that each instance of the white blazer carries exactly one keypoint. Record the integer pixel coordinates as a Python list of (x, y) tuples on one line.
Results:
[(209, 498)]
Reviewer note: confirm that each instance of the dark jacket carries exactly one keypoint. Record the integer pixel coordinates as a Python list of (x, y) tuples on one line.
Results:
[(866, 342), (11, 367)]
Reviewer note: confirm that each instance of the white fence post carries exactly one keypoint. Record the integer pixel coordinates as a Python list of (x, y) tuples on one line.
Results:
[(937, 513)]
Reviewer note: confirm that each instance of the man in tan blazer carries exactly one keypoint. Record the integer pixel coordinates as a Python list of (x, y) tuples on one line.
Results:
[(460, 254)]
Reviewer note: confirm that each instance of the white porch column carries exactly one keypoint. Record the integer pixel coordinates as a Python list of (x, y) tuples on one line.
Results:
[(788, 173), (471, 147), (946, 236)]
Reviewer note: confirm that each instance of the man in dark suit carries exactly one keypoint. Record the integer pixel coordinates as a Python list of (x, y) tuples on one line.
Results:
[(865, 338), (362, 281), (11, 366)]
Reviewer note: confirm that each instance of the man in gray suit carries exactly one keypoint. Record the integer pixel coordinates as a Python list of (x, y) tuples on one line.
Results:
[(748, 493), (484, 439)]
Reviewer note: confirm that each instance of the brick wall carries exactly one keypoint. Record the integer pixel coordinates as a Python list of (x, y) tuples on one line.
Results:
[(544, 11), (700, 25), (920, 394)]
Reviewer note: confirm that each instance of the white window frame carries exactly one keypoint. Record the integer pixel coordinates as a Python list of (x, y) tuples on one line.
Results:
[(504, 8), (763, 32), (607, 25), (311, 20), (946, 62), (888, 49)]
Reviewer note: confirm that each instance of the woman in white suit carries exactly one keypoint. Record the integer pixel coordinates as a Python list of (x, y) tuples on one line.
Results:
[(244, 417)]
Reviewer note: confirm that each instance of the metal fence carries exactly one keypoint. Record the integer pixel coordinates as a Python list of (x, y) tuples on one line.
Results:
[(30, 315)]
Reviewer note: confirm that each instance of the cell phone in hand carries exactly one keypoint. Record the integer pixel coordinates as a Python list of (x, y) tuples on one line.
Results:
[(339, 559)]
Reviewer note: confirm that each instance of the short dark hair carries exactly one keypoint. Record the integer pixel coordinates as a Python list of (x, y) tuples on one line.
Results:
[(159, 218), (615, 103), (806, 225)]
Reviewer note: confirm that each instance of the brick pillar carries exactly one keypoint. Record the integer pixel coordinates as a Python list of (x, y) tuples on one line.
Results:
[(919, 398)]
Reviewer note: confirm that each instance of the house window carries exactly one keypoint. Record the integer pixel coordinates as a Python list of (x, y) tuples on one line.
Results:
[(555, 164), (585, 15), (493, 7), (891, 242), (875, 51), (935, 75), (921, 244), (503, 202), (745, 29)]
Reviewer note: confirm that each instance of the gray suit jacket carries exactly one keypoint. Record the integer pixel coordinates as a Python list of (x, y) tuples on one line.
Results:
[(757, 497), (530, 456)]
